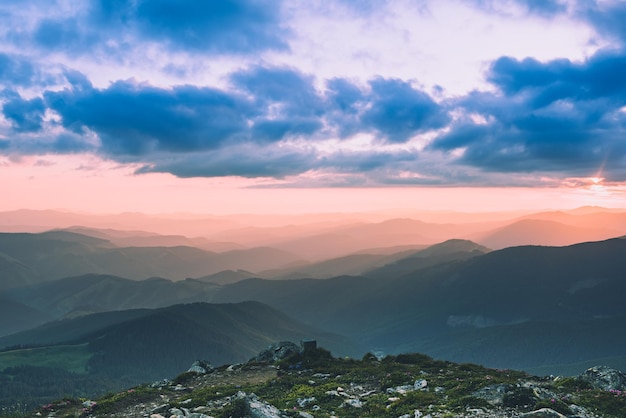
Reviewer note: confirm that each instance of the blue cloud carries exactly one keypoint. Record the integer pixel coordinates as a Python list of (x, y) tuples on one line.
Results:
[(292, 90), (211, 27), (599, 77), (16, 71), (25, 115), (275, 130), (345, 102), (217, 26), (286, 100), (546, 8), (398, 111), (542, 8), (248, 162), (230, 27), (64, 35), (552, 116), (606, 17), (133, 119)]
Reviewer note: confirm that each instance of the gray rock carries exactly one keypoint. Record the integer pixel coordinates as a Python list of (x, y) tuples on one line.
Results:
[(277, 352), (259, 409), (493, 394), (178, 412), (605, 378), (355, 403), (543, 413), (420, 384), (201, 367), (302, 402), (160, 408), (401, 389), (160, 383)]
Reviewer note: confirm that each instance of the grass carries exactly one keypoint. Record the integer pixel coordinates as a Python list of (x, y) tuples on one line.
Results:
[(72, 358), (324, 386)]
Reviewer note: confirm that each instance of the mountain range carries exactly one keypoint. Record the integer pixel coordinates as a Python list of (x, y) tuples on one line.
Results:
[(97, 296)]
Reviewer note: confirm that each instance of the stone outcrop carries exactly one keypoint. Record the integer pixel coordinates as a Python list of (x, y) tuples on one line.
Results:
[(201, 367), (256, 408), (277, 352), (604, 378)]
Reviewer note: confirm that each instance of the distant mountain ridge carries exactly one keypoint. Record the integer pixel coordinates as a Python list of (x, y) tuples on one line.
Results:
[(31, 258), (534, 231)]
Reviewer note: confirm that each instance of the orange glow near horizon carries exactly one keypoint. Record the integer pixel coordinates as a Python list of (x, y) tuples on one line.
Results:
[(88, 184)]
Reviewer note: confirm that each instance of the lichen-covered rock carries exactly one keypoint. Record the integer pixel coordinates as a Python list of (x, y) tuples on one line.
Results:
[(605, 378), (277, 352)]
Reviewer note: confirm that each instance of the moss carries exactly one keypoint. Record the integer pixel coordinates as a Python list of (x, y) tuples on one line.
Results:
[(204, 395), (118, 401), (469, 402), (555, 404), (572, 384), (184, 378), (603, 402), (521, 398), (236, 409)]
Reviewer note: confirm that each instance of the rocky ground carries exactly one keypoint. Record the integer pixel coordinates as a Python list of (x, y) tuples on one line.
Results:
[(285, 382)]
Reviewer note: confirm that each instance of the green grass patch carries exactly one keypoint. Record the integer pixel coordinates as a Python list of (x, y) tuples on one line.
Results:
[(72, 358)]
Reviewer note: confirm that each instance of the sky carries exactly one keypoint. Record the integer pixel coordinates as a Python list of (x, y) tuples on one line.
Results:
[(299, 106)]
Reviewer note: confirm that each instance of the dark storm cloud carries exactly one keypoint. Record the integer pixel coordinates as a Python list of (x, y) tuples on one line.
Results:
[(136, 119), (552, 116)]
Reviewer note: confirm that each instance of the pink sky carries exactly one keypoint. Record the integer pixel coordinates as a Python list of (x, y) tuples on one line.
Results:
[(88, 184)]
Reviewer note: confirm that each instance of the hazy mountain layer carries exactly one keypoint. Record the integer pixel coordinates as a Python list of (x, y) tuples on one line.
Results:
[(449, 304), (27, 259)]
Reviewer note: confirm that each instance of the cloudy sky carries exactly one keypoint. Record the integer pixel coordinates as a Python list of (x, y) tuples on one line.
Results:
[(269, 105)]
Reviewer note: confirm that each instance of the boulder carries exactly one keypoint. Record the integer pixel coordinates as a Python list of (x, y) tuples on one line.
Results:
[(493, 394), (256, 408), (604, 378), (420, 384), (201, 367), (277, 352)]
